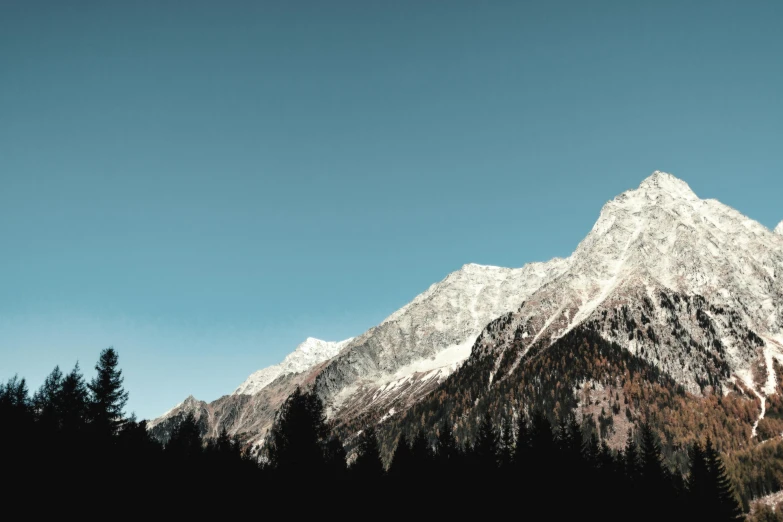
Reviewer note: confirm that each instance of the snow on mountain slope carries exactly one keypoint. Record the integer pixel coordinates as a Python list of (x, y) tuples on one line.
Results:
[(308, 354), (691, 285), (779, 228), (399, 360), (663, 272), (427, 339)]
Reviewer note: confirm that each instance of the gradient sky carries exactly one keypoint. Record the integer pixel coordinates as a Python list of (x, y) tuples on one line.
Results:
[(203, 185)]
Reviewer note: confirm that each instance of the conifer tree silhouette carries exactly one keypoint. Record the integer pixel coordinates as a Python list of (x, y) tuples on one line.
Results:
[(299, 436), (507, 443), (403, 463), (336, 459), (107, 395), (47, 401), (368, 464), (719, 491), (74, 403), (486, 449), (522, 444), (186, 442)]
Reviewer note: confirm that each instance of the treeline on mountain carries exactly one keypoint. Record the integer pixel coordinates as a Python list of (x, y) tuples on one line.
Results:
[(610, 388), (518, 463), (72, 436)]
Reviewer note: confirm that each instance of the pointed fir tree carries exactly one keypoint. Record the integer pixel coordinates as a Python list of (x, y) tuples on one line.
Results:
[(522, 442), (422, 454), (186, 441), (591, 451), (335, 459), (403, 462), (447, 454), (699, 476), (719, 489), (299, 437), (74, 403), (368, 464), (486, 448), (631, 458), (507, 443), (107, 395), (46, 401), (651, 458)]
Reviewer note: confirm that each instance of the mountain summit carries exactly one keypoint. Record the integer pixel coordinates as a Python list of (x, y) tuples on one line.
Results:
[(779, 228), (690, 286)]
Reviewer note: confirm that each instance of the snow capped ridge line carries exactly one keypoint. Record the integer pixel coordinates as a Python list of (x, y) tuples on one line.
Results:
[(662, 239), (311, 352), (665, 182), (659, 238)]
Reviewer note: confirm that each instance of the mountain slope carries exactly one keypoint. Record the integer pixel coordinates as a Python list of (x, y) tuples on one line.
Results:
[(650, 248), (401, 359), (306, 355), (779, 228), (690, 287)]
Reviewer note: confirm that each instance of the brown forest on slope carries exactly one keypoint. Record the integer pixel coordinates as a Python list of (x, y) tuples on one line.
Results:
[(580, 373)]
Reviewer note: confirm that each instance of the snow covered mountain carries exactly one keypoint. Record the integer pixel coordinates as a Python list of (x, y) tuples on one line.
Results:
[(690, 285), (401, 359), (779, 228), (306, 355), (661, 239)]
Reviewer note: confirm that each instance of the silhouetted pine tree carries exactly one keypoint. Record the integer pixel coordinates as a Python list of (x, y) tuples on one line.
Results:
[(543, 449), (403, 463), (186, 442), (591, 450), (298, 438), (368, 465), (107, 396), (654, 478), (507, 443), (46, 402), (74, 404), (522, 444), (447, 454), (16, 435), (335, 459), (698, 478), (719, 490), (422, 455), (486, 448), (631, 459)]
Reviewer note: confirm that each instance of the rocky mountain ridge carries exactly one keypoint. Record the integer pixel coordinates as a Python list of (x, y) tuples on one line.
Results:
[(690, 285)]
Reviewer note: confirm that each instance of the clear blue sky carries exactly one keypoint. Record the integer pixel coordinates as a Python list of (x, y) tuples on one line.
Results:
[(202, 185)]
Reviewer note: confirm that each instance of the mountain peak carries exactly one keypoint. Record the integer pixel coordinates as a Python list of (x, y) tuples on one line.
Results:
[(665, 182), (779, 228), (311, 352)]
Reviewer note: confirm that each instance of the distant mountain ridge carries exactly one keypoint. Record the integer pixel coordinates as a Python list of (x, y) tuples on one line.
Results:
[(691, 286), (309, 353)]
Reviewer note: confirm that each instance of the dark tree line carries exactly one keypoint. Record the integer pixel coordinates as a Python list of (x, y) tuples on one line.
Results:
[(72, 440), (540, 471)]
